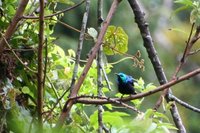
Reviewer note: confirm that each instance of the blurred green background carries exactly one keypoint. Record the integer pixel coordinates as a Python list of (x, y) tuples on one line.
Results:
[(169, 32)]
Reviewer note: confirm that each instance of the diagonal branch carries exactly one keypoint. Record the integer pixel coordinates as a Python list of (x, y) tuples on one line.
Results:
[(66, 109), (16, 56), (80, 44), (148, 44), (11, 28), (190, 43)]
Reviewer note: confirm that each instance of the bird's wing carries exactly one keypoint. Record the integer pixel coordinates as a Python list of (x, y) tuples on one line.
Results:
[(129, 79)]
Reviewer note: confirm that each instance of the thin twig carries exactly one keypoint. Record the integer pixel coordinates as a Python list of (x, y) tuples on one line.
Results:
[(54, 106), (16, 56), (71, 27), (184, 104), (190, 43), (106, 78), (194, 52), (57, 13), (187, 45), (55, 91), (80, 44)]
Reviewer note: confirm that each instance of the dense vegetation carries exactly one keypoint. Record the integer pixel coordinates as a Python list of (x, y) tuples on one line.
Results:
[(58, 60)]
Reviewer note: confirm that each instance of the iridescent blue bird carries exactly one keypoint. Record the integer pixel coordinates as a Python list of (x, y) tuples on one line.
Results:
[(125, 84)]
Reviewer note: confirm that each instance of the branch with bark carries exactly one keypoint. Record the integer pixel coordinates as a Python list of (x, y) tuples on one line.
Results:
[(105, 100), (40, 73), (148, 44), (190, 42), (66, 109), (13, 25)]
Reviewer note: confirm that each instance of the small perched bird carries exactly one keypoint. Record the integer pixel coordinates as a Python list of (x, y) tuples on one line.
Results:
[(125, 84)]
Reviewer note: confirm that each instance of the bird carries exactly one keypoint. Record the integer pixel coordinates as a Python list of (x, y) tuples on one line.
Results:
[(125, 84)]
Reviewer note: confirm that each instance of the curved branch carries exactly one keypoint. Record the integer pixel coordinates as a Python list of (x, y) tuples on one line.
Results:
[(184, 104)]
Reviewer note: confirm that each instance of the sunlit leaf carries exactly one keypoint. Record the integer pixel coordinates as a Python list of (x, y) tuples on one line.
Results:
[(68, 2), (167, 125), (195, 16), (25, 90), (71, 53), (115, 41), (92, 32), (161, 115), (184, 2), (149, 87)]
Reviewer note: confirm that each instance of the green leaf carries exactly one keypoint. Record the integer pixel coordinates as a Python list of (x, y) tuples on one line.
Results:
[(161, 115), (137, 102), (195, 16), (109, 106), (68, 2), (169, 105), (149, 87), (93, 33), (167, 125), (114, 118), (139, 85), (184, 2), (25, 90), (71, 53), (115, 41), (60, 51), (179, 9), (149, 113), (11, 9)]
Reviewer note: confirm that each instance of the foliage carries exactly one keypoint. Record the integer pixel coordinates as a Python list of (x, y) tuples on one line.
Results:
[(18, 79), (115, 40), (195, 9)]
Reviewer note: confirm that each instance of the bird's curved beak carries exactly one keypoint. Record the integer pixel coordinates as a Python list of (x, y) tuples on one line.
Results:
[(116, 73)]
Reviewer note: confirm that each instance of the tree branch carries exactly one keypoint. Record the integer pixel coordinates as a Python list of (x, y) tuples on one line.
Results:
[(16, 56), (148, 44), (80, 44), (40, 65), (11, 28), (181, 63), (99, 67), (184, 104), (68, 104), (104, 100)]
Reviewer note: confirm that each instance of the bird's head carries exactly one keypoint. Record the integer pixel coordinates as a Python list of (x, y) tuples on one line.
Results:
[(125, 78), (121, 76)]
